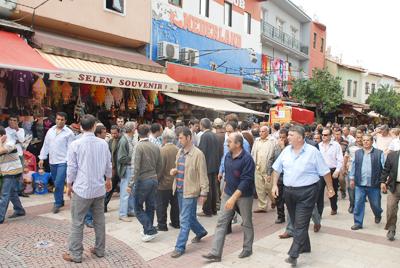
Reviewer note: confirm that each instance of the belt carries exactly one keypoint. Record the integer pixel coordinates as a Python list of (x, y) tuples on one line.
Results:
[(300, 187)]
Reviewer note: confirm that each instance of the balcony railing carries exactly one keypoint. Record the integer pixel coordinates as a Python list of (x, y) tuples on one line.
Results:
[(283, 38)]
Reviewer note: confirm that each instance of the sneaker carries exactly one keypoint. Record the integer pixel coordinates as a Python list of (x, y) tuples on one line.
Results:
[(125, 219), (131, 214), (148, 238), (390, 235)]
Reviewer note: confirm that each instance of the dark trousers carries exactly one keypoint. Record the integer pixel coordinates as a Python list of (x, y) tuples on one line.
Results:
[(210, 206), (280, 202), (300, 202), (321, 194), (165, 198), (115, 180)]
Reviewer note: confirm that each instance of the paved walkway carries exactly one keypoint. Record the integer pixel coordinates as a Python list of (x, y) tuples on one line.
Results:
[(39, 239)]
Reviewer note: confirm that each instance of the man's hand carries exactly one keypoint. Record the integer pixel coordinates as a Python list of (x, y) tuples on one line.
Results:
[(129, 190), (108, 185), (219, 177), (335, 174), (40, 164), (275, 191), (331, 192), (202, 199), (3, 139), (383, 187), (352, 184), (268, 179), (230, 204), (173, 172), (69, 190)]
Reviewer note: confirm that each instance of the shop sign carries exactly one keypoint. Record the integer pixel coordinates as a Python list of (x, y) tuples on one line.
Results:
[(111, 81)]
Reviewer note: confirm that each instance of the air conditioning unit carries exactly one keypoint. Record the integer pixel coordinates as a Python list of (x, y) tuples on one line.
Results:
[(189, 56), (7, 8), (168, 51)]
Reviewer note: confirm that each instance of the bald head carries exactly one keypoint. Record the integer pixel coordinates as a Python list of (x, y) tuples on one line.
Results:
[(264, 132)]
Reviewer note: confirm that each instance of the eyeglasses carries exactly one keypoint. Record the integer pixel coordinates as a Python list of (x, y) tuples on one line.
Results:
[(325, 135)]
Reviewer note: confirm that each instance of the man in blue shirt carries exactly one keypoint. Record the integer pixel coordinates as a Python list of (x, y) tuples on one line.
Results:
[(238, 194), (302, 165), (365, 177)]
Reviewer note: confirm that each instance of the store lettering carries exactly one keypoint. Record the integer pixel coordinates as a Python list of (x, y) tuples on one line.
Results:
[(238, 3), (209, 30), (138, 84), (95, 79)]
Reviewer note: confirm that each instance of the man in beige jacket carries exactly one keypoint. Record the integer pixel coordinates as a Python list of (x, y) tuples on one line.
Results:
[(264, 152), (191, 182)]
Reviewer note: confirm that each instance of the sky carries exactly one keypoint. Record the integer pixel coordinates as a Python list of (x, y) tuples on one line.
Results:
[(363, 32)]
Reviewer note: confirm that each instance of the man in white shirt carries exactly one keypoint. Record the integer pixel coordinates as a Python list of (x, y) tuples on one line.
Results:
[(395, 143), (347, 136), (333, 156), (56, 143)]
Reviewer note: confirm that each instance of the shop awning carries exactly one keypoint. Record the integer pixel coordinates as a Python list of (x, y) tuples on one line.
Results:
[(216, 104), (16, 54), (89, 72)]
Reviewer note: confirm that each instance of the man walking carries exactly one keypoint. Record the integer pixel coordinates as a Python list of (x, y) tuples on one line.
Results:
[(280, 203), (55, 146), (89, 161), (147, 169), (302, 165), (191, 184), (155, 134), (209, 145), (165, 194), (333, 156), (263, 153), (238, 194), (365, 177)]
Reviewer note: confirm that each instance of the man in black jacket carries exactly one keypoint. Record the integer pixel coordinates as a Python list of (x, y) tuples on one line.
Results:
[(390, 180), (209, 145)]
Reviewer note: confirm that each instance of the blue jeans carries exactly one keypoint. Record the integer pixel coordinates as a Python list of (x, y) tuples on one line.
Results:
[(374, 197), (126, 200), (145, 192), (188, 221), (58, 174), (9, 192)]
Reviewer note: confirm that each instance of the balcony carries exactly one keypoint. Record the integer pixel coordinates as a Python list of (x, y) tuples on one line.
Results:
[(284, 40)]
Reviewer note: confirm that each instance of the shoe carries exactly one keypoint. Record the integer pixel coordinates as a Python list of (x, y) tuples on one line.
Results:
[(317, 227), (174, 226), (378, 220), (291, 261), (23, 195), (197, 239), (245, 254), (56, 210), (16, 215), (148, 238), (69, 258), (105, 209), (260, 211), (279, 220), (351, 210), (131, 214), (356, 227), (162, 229), (333, 212), (176, 254), (89, 224), (125, 219), (390, 235), (93, 251), (202, 214), (211, 258), (285, 235)]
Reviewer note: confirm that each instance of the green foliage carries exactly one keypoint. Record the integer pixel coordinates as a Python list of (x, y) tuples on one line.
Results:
[(385, 101), (322, 89)]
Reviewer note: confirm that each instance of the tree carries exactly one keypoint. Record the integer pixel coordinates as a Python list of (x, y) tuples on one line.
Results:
[(322, 89), (386, 102)]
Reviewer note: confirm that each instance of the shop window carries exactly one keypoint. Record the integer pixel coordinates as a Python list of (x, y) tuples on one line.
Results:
[(205, 8), (322, 44), (355, 89), (366, 88), (117, 6), (348, 88), (372, 88), (177, 3), (228, 14), (247, 22), (315, 41)]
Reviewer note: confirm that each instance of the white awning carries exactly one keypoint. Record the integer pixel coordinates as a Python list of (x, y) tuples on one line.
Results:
[(216, 104), (89, 72)]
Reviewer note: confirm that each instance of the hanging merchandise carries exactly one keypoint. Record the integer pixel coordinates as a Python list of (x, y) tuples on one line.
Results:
[(22, 82), (55, 89), (39, 90), (100, 95), (156, 102), (132, 101), (118, 95), (3, 95), (84, 92), (92, 90), (66, 91), (141, 104), (150, 107), (79, 109), (160, 99), (109, 99)]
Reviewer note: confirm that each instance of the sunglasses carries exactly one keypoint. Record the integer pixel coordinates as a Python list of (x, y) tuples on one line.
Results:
[(325, 135)]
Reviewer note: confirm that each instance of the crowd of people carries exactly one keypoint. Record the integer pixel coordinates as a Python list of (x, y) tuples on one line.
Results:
[(224, 165)]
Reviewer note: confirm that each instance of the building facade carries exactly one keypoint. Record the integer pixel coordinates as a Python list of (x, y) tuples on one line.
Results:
[(317, 46)]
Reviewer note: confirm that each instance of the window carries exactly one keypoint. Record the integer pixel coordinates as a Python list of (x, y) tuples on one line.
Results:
[(366, 88), (293, 32), (279, 24), (355, 89), (348, 88), (228, 14), (322, 44), (372, 88), (315, 40), (117, 6), (205, 8), (247, 22), (177, 3)]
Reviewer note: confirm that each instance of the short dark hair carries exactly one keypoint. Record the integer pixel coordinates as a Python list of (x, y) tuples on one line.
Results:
[(238, 138), (2, 131), (87, 122), (244, 125), (121, 117), (13, 115), (143, 131), (193, 121), (155, 127), (327, 129), (276, 126), (298, 129), (62, 114), (206, 123), (115, 127), (284, 131), (186, 132), (99, 129), (233, 124), (169, 119), (338, 129), (307, 128)]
